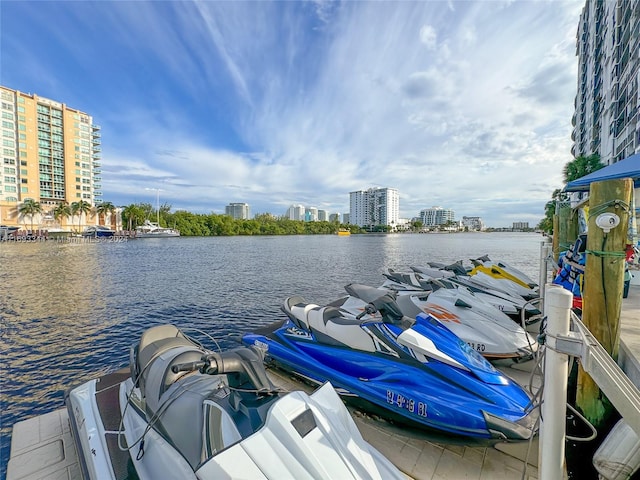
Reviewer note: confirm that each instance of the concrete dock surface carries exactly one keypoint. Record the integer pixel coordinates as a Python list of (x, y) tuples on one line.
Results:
[(42, 447)]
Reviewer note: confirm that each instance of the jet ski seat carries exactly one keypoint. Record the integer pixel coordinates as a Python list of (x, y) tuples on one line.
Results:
[(297, 310), (330, 326), (153, 343)]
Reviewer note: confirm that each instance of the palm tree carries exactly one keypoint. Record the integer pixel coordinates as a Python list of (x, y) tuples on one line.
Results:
[(103, 209), (80, 207), (61, 212), (30, 207), (132, 214), (581, 166)]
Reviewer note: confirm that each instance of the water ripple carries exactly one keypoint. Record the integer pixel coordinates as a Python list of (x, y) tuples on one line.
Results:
[(69, 312)]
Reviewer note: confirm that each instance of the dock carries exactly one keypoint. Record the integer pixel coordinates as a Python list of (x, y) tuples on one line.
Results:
[(42, 447)]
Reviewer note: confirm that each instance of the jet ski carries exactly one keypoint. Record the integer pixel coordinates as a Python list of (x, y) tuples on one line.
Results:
[(424, 278), (413, 372), (184, 412), (502, 276), (502, 270), (482, 279), (493, 334), (523, 312), (489, 274)]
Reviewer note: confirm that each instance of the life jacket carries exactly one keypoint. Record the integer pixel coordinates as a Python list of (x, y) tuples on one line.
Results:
[(571, 267)]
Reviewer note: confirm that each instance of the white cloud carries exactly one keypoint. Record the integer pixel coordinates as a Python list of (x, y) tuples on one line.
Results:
[(428, 36), (462, 104)]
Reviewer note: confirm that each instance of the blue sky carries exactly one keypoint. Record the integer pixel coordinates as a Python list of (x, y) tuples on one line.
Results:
[(461, 104)]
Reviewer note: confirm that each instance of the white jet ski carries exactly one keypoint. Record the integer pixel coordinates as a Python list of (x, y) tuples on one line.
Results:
[(488, 331), (523, 312), (184, 412), (505, 285)]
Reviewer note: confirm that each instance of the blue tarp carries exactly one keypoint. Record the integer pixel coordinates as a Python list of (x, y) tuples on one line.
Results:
[(627, 168)]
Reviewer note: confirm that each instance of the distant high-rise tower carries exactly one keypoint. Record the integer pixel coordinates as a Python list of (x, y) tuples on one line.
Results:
[(436, 216), (239, 211), (375, 206), (296, 212), (607, 106), (50, 153), (310, 214)]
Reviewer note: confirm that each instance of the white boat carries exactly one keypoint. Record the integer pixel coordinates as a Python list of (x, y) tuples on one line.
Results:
[(98, 231), (6, 231), (184, 412), (153, 230)]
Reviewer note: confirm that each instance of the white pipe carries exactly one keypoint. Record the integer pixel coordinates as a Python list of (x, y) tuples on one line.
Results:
[(551, 461)]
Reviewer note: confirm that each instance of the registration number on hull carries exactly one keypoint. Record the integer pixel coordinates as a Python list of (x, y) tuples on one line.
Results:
[(480, 347), (394, 398)]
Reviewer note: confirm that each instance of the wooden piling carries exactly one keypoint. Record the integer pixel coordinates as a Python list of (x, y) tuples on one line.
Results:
[(555, 240), (603, 286), (567, 227)]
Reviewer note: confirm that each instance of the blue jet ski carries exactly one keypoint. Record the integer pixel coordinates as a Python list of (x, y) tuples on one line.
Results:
[(415, 373)]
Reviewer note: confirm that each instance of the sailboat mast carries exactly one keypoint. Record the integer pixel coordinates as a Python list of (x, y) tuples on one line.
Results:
[(158, 206)]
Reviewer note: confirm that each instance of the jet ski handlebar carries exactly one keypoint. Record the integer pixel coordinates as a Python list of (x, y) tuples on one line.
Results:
[(370, 309), (243, 363), (207, 364)]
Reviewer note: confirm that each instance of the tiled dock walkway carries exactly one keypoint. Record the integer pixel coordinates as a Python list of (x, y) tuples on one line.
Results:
[(42, 447)]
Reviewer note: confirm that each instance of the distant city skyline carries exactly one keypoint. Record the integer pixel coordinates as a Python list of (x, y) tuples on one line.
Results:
[(460, 103)]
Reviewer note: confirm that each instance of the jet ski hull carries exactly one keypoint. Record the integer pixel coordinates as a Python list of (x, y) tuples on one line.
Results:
[(432, 395), (222, 418)]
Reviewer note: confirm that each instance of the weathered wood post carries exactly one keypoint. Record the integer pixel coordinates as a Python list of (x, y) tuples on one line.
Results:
[(567, 226), (555, 240), (603, 284)]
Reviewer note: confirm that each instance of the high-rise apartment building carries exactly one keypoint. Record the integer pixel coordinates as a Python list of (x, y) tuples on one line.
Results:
[(238, 211), (434, 216), (606, 118), (375, 206), (310, 214), (296, 212), (473, 223), (520, 226), (50, 153)]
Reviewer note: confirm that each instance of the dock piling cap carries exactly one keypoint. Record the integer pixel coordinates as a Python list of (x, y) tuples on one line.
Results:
[(557, 296)]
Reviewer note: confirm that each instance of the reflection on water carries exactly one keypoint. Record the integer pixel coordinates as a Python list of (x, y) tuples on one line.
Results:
[(70, 311)]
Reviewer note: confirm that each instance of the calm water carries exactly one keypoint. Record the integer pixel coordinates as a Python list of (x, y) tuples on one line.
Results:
[(69, 312)]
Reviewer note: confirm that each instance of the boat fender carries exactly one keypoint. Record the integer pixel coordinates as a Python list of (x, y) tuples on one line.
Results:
[(618, 457)]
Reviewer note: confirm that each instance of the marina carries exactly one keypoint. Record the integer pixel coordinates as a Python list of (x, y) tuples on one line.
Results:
[(43, 446), (43, 436)]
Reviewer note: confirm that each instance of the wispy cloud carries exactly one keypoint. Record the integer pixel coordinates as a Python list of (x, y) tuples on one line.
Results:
[(461, 104)]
